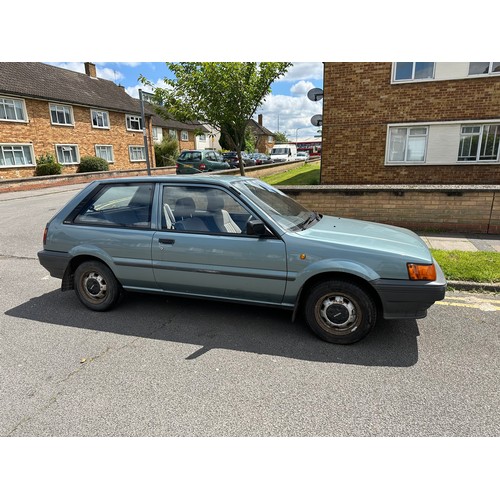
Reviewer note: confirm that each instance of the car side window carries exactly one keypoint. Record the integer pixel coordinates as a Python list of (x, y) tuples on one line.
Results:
[(202, 209), (122, 205)]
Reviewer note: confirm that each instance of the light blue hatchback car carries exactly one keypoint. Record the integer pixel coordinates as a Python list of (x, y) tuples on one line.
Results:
[(240, 240)]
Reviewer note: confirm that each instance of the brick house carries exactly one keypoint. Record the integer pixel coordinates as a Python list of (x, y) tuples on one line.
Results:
[(188, 135), (264, 137), (411, 123), (45, 109)]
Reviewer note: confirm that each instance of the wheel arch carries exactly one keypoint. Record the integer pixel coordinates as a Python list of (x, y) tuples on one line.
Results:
[(336, 276), (68, 280)]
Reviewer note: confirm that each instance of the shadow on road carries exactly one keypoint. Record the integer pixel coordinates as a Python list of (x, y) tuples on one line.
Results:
[(217, 325)]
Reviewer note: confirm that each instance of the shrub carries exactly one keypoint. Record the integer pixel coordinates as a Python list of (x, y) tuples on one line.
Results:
[(92, 164), (166, 152), (47, 165)]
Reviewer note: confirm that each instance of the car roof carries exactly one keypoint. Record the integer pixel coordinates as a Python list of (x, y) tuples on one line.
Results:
[(174, 179)]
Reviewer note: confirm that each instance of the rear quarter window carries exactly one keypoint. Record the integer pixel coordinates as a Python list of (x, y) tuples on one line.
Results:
[(118, 205)]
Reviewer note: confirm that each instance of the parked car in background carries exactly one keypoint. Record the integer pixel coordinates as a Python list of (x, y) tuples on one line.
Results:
[(283, 152), (195, 161), (232, 158), (237, 239), (261, 158), (303, 155)]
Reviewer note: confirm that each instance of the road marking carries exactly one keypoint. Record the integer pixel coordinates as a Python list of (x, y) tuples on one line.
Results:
[(474, 303)]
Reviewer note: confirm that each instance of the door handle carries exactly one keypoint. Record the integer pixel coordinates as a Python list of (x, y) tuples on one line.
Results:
[(164, 241)]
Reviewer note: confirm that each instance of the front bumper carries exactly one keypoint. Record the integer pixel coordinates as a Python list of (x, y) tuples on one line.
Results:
[(402, 299)]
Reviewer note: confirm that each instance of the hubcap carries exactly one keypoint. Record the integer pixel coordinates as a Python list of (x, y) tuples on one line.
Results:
[(337, 312), (95, 286)]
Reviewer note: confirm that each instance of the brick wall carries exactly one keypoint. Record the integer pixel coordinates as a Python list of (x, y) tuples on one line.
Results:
[(461, 210), (44, 136), (359, 102)]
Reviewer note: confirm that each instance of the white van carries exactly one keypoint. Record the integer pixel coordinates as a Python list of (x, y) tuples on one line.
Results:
[(283, 152)]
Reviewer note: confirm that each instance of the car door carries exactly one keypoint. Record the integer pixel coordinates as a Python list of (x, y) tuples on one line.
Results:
[(203, 249)]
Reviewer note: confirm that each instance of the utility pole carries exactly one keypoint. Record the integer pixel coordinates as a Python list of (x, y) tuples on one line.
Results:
[(144, 130)]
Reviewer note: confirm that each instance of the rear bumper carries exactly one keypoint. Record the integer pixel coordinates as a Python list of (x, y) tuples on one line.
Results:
[(55, 262), (409, 299)]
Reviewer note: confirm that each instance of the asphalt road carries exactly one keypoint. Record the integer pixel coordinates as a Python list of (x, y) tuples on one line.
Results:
[(159, 366)]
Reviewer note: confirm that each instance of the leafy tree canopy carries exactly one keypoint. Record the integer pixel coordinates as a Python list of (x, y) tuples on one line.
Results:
[(222, 94)]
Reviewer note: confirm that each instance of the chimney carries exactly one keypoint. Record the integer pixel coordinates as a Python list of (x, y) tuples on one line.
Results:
[(90, 70), (260, 120)]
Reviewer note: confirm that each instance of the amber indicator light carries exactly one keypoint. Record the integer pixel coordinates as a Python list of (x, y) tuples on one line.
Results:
[(422, 272)]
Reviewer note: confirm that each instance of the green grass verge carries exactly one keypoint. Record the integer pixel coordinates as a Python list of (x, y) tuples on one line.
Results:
[(481, 267), (305, 175)]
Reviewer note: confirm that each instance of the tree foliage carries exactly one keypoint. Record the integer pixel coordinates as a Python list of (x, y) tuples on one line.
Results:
[(223, 94), (280, 138)]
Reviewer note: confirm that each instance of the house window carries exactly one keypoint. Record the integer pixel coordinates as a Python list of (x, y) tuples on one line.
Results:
[(479, 143), (172, 133), (202, 137), (484, 68), (105, 152), (270, 138), (16, 154), (61, 115), (184, 135), (137, 153), (134, 123), (156, 133), (12, 110), (409, 71), (100, 119), (407, 144), (67, 154)]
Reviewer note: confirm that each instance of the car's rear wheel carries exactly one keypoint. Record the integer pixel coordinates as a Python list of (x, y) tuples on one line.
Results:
[(96, 285), (340, 312)]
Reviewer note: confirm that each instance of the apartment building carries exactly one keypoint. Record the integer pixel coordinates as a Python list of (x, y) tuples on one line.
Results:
[(411, 123)]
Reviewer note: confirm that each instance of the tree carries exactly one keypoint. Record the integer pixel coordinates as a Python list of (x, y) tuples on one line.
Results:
[(280, 138), (222, 94)]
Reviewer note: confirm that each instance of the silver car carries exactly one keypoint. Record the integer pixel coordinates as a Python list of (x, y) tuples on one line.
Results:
[(239, 240)]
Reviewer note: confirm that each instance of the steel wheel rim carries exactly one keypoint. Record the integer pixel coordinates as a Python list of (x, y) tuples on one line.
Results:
[(337, 313), (94, 286)]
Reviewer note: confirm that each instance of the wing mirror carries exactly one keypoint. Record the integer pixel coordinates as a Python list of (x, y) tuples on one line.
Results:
[(256, 228)]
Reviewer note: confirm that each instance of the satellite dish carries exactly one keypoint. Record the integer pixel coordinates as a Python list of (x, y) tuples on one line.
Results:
[(317, 120), (315, 94)]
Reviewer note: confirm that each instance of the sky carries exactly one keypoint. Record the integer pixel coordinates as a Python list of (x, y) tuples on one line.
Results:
[(287, 109)]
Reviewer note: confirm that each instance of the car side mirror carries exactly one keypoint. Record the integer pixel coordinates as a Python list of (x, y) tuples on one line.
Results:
[(256, 228)]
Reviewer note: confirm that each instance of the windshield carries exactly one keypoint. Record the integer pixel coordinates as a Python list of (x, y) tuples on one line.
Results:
[(285, 211)]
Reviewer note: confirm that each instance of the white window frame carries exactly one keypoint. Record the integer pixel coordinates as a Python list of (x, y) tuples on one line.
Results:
[(412, 79), (74, 148), (479, 134), (3, 102), (184, 135), (408, 128), (129, 119), (102, 114), (136, 147), (110, 149), (490, 71), (64, 107), (173, 133), (22, 146)]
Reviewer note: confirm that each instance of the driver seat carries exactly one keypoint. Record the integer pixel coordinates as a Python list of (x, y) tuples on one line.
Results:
[(220, 217)]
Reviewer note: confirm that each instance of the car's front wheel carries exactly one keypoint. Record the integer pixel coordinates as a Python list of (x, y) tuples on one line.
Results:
[(96, 285), (340, 312)]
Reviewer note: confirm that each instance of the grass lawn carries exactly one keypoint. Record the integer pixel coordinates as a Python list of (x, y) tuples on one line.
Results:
[(305, 175), (481, 267)]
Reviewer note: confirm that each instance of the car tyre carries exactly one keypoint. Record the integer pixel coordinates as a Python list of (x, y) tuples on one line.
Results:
[(96, 286), (340, 312)]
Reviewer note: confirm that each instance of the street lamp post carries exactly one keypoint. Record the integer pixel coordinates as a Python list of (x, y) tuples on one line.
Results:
[(144, 131), (296, 131)]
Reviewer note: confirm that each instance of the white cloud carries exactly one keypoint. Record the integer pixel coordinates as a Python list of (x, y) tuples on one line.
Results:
[(290, 115), (301, 88), (304, 71), (134, 90)]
